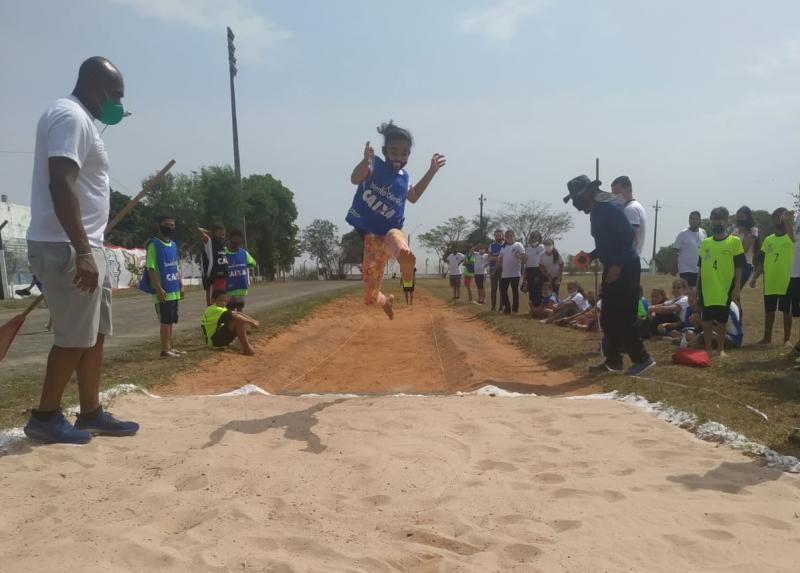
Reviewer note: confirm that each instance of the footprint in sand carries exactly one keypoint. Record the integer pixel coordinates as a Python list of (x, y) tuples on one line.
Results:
[(549, 478), (512, 519), (624, 472), (434, 540), (522, 552), (562, 525), (485, 465), (610, 496), (191, 483), (376, 500), (716, 534)]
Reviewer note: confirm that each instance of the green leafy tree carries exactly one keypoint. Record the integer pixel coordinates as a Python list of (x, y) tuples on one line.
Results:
[(319, 240), (442, 237), (663, 260), (222, 200), (271, 229)]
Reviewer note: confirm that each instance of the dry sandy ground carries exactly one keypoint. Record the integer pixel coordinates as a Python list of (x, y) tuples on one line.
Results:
[(386, 483), (277, 483), (346, 348)]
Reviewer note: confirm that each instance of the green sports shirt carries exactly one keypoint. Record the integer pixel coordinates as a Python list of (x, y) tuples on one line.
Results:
[(778, 253), (717, 268), (211, 318)]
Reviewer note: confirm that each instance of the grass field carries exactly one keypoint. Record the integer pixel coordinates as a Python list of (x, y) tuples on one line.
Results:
[(759, 376), (137, 366)]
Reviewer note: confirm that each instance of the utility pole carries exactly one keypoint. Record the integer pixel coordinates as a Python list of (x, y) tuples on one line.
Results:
[(481, 200), (3, 277), (657, 207), (596, 168), (236, 166)]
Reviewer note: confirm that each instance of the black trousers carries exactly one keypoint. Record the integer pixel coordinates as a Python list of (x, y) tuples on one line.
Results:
[(618, 315), (513, 305), (534, 278), (495, 279)]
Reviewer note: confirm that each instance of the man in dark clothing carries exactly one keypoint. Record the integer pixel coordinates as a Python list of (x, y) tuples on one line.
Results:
[(613, 237)]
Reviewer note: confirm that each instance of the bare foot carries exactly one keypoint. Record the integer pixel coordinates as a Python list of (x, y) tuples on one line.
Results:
[(387, 306), (765, 341), (248, 352), (407, 261)]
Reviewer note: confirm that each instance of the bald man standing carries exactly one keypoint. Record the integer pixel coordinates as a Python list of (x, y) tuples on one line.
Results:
[(70, 201)]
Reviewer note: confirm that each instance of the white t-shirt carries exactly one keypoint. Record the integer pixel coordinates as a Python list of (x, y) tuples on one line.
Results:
[(454, 263), (687, 243), (638, 219), (796, 261), (579, 300), (748, 254), (553, 268), (67, 129), (481, 262), (682, 302), (534, 255), (511, 263)]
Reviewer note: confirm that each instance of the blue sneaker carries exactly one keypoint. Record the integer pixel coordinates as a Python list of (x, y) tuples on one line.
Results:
[(106, 425), (640, 367), (56, 430)]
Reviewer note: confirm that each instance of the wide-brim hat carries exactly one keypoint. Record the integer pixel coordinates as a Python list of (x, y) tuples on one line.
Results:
[(577, 186)]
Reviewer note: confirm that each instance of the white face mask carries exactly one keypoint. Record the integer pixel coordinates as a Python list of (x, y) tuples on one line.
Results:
[(619, 199)]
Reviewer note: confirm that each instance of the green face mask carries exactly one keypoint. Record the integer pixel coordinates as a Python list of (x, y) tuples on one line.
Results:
[(111, 113)]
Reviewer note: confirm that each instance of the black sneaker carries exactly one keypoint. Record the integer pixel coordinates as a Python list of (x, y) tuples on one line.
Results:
[(106, 425), (604, 367)]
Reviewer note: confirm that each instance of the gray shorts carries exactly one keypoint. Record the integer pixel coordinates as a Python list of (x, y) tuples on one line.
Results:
[(78, 316), (455, 280)]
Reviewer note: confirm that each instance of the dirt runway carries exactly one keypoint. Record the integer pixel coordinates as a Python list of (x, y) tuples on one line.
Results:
[(347, 347)]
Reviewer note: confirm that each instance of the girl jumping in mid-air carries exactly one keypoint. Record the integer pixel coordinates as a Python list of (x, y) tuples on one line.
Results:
[(378, 209)]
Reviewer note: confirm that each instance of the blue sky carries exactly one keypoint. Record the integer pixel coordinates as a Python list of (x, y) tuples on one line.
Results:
[(698, 102)]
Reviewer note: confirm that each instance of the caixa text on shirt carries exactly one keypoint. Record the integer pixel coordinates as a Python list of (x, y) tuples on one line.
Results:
[(237, 272), (370, 197)]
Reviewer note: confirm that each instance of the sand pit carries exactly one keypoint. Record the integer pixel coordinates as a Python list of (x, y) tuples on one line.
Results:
[(277, 483), (344, 347), (440, 482)]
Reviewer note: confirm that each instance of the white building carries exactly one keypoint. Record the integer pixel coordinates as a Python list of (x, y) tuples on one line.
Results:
[(13, 240)]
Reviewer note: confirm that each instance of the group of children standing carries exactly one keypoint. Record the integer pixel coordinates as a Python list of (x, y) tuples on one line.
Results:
[(225, 280)]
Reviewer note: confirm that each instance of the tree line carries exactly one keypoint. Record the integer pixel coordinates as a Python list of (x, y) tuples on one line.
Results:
[(333, 253), (264, 209)]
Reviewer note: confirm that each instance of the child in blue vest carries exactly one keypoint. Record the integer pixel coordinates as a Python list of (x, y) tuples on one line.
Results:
[(378, 209), (239, 261), (163, 280)]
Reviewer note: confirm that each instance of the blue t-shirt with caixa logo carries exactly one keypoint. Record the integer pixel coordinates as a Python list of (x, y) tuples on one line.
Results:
[(380, 201)]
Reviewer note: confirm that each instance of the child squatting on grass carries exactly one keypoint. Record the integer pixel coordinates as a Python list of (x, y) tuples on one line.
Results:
[(378, 209), (222, 326)]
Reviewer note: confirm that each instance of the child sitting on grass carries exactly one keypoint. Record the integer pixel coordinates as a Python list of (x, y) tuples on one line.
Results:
[(574, 304), (644, 305), (670, 315), (222, 326), (734, 332), (586, 320), (549, 303)]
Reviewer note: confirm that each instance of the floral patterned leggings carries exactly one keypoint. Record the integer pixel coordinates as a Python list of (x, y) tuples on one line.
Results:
[(378, 249)]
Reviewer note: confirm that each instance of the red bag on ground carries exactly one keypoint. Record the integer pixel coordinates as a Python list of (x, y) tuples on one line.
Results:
[(692, 357)]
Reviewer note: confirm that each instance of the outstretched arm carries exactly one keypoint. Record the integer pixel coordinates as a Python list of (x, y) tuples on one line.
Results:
[(362, 171), (415, 192)]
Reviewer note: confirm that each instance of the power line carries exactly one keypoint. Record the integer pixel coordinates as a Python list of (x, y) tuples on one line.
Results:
[(15, 152)]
